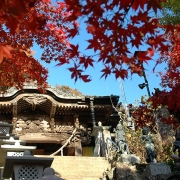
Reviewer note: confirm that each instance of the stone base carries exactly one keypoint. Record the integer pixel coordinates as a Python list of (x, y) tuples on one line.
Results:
[(160, 177), (129, 159), (154, 169), (126, 172)]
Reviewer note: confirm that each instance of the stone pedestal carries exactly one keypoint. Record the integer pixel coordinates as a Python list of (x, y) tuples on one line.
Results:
[(153, 169), (129, 159), (122, 171)]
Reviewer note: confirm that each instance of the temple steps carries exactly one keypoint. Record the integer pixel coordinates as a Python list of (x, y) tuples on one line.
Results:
[(79, 167)]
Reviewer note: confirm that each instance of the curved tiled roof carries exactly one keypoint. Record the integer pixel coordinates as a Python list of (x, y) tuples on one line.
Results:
[(15, 101)]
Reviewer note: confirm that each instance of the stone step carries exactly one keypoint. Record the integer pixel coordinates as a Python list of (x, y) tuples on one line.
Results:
[(79, 167)]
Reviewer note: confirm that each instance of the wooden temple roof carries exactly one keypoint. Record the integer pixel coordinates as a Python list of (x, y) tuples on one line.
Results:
[(55, 102), (32, 112)]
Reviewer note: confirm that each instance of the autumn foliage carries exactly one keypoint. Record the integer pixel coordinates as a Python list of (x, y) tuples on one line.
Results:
[(170, 82), (24, 23), (115, 27)]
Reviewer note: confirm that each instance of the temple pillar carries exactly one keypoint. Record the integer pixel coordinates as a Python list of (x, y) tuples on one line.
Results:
[(78, 148), (53, 110)]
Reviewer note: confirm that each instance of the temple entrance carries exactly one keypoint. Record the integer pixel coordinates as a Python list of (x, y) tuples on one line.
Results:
[(50, 148)]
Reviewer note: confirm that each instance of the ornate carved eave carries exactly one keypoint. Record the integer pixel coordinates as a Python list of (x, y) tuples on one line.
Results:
[(57, 95), (32, 86), (55, 103)]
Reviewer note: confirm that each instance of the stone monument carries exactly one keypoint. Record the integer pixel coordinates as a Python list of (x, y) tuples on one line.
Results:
[(156, 169)]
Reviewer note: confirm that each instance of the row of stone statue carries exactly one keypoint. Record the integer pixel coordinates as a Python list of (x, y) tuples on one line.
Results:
[(145, 139)]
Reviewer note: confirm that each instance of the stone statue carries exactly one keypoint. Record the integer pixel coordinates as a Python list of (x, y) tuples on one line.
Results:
[(177, 142), (121, 140), (147, 140)]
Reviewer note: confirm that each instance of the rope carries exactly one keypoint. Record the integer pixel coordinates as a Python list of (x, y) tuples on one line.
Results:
[(68, 141), (122, 116), (109, 93), (124, 96)]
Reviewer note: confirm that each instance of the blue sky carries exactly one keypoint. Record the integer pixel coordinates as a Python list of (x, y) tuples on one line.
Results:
[(101, 87)]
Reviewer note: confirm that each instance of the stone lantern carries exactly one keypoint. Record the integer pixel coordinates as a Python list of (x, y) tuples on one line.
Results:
[(10, 145), (25, 167)]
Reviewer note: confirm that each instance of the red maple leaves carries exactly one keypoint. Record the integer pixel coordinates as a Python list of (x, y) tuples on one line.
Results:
[(115, 30), (5, 52), (77, 74), (170, 78), (115, 27), (24, 23)]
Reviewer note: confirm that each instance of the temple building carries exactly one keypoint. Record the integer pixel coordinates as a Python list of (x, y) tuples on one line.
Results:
[(47, 120)]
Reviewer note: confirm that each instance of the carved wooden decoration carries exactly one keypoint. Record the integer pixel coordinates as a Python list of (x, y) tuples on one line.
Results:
[(35, 99), (47, 130)]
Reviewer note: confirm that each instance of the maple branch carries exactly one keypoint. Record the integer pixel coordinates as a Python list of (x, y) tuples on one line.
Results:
[(121, 24), (126, 12)]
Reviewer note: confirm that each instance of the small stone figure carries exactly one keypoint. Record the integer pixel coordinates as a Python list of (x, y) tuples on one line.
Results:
[(121, 140), (147, 140), (177, 142)]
